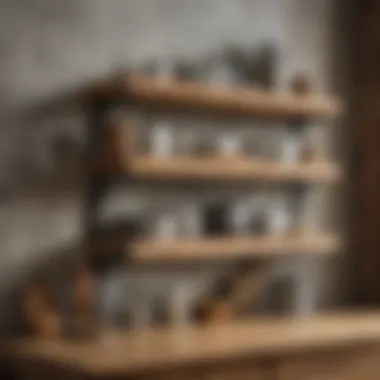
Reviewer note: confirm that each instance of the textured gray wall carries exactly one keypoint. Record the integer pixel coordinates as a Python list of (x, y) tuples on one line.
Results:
[(51, 47)]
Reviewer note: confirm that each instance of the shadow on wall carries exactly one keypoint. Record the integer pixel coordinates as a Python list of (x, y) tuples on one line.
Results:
[(41, 182), (42, 146)]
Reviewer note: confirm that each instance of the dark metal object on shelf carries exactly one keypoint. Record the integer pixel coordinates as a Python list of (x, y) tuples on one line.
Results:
[(187, 71), (216, 219), (280, 296), (237, 60), (257, 67), (266, 65), (301, 84), (217, 69)]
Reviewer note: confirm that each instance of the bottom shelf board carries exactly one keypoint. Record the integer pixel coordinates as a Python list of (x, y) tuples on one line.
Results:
[(232, 247), (130, 352)]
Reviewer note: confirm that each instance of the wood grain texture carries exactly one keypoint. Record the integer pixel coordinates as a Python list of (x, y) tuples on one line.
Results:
[(230, 169), (229, 370), (353, 364), (118, 147), (41, 311), (217, 99), (232, 247), (131, 352), (366, 155)]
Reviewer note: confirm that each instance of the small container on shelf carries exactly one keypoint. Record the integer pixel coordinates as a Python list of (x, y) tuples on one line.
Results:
[(258, 225), (218, 71), (255, 67), (240, 216), (313, 148), (161, 138), (156, 67), (160, 312), (251, 150), (188, 71), (181, 303), (278, 218), (291, 147), (190, 221), (162, 224), (267, 65), (205, 148), (187, 142), (254, 140), (229, 144), (280, 296), (301, 84), (216, 219), (238, 63), (141, 313)]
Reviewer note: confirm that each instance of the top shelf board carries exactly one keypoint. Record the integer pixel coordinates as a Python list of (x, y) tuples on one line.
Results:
[(173, 95)]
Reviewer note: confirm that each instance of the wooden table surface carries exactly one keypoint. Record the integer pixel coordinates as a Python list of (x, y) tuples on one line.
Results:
[(127, 352)]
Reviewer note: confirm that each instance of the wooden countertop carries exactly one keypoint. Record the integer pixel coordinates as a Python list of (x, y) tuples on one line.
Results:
[(128, 352)]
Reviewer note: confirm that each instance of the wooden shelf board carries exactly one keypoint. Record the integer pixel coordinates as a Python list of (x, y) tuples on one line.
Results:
[(231, 247), (217, 99), (137, 351), (230, 169)]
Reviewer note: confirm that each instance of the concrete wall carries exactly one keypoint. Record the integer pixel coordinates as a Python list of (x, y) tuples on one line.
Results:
[(51, 47)]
